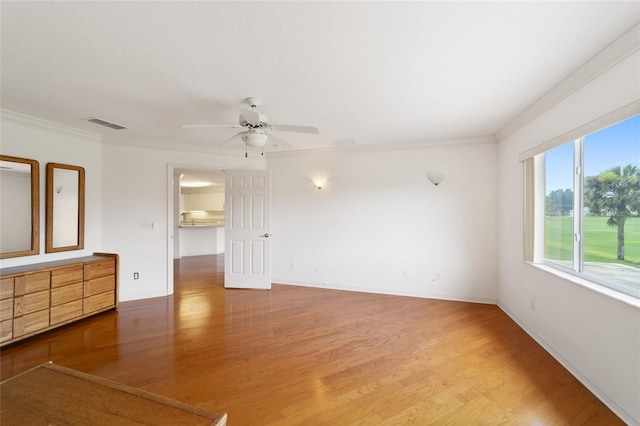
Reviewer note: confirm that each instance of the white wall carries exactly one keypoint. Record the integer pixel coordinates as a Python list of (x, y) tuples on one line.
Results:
[(379, 216), (48, 142), (135, 196), (594, 336)]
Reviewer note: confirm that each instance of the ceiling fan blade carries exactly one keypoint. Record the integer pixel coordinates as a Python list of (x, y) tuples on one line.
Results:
[(296, 129), (232, 137), (279, 140), (193, 126)]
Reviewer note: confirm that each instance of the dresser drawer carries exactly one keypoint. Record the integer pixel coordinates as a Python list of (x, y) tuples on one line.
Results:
[(68, 293), (6, 309), (99, 301), (30, 323), (30, 303), (68, 311), (99, 269), (6, 330), (99, 285), (32, 283), (6, 288), (62, 276)]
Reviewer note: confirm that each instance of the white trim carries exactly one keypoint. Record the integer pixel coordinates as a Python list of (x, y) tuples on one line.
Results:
[(615, 52), (595, 389), (15, 117), (387, 292), (600, 123), (172, 146), (481, 140), (598, 288), (170, 229), (578, 205)]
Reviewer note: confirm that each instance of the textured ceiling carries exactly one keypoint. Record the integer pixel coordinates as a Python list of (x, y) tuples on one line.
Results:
[(373, 72)]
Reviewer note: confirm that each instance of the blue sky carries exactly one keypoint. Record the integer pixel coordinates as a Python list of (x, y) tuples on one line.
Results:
[(617, 145)]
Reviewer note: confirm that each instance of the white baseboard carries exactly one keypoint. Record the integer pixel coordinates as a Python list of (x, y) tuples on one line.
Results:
[(388, 292), (595, 389)]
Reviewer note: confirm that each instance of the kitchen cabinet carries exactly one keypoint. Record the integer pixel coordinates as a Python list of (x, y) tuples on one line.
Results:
[(218, 201), (202, 202)]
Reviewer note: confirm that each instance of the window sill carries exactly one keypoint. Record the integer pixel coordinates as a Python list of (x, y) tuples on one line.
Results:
[(598, 288)]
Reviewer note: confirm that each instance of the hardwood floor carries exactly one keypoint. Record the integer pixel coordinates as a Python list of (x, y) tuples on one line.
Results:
[(296, 355)]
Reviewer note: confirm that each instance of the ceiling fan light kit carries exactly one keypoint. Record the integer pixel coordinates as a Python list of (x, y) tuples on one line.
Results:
[(254, 138), (258, 129)]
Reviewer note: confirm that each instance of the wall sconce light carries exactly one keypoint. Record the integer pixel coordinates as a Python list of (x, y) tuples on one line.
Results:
[(319, 182), (435, 177)]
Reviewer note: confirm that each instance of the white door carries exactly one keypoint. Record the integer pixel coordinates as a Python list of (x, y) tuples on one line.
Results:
[(247, 258)]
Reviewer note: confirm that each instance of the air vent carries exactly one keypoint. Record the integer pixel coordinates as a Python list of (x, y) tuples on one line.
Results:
[(106, 123)]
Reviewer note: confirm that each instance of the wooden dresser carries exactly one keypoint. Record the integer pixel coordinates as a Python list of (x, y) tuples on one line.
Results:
[(40, 297)]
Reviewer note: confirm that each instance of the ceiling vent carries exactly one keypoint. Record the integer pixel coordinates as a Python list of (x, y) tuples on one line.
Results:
[(106, 123)]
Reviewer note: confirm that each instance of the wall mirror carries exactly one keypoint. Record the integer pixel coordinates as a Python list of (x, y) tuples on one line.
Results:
[(65, 208), (19, 207)]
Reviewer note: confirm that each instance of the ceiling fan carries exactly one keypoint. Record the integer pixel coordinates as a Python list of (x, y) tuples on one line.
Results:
[(257, 127)]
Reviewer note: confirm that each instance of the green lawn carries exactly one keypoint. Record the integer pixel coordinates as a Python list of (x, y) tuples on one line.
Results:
[(600, 240)]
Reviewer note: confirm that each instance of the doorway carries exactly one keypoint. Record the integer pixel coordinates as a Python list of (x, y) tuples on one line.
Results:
[(201, 214), (195, 215)]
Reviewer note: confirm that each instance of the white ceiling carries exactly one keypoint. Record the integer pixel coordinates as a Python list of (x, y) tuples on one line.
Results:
[(373, 72)]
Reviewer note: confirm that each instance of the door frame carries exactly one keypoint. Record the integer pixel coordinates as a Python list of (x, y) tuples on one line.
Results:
[(172, 169)]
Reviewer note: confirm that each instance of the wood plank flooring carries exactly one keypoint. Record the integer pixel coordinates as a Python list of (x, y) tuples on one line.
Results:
[(296, 355)]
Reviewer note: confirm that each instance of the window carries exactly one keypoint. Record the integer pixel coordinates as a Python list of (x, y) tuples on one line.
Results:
[(592, 206)]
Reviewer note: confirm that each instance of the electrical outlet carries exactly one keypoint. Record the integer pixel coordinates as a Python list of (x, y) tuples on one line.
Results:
[(136, 275), (292, 265), (404, 274), (532, 304)]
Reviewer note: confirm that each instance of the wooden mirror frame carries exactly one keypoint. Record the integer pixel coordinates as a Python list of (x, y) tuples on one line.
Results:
[(49, 246), (35, 208)]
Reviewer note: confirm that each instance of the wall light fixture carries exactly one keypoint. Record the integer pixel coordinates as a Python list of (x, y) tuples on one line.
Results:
[(435, 177), (319, 182)]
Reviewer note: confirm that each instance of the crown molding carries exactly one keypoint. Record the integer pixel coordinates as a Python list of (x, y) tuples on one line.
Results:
[(480, 140), (171, 146), (599, 123), (39, 123), (622, 47)]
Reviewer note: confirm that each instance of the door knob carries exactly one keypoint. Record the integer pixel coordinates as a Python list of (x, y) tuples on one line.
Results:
[(265, 235)]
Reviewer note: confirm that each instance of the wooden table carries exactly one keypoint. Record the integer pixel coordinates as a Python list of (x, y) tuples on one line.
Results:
[(52, 395)]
